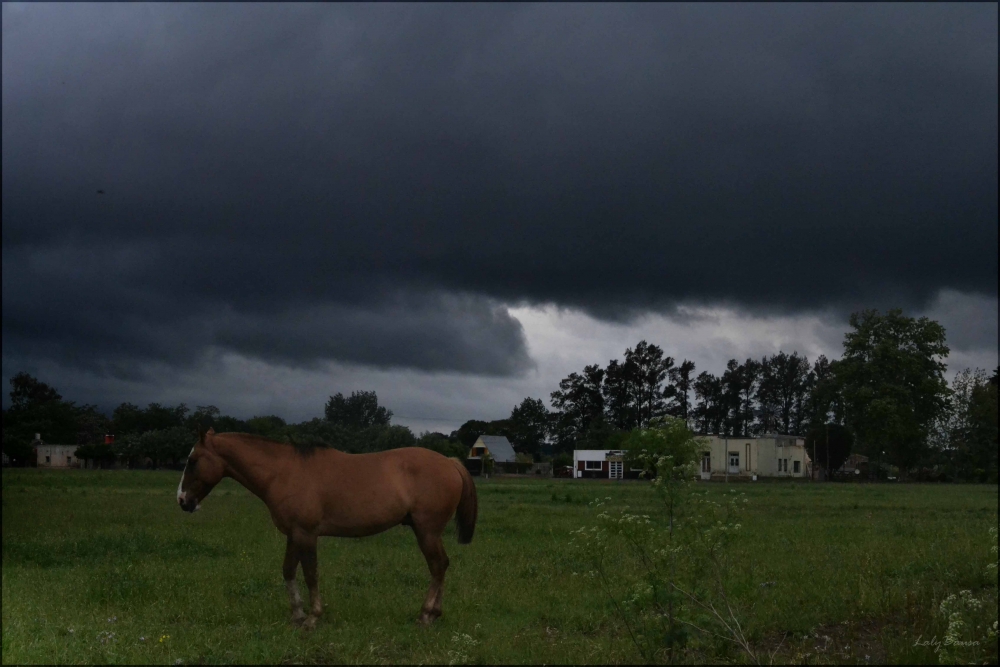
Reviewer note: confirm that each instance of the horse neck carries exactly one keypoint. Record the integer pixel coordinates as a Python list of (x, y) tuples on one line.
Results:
[(252, 466)]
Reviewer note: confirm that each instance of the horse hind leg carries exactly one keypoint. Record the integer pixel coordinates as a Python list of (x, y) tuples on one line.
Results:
[(437, 562), (309, 569), (288, 569)]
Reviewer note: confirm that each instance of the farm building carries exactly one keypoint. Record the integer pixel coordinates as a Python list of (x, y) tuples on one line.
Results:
[(767, 456), (856, 465), (55, 456), (602, 464), (500, 450), (497, 446), (771, 455)]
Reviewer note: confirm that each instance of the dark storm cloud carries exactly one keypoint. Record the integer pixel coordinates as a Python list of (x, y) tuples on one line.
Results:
[(312, 182)]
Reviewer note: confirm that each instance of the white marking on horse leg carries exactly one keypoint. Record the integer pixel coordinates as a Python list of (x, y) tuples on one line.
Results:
[(317, 602), (295, 599)]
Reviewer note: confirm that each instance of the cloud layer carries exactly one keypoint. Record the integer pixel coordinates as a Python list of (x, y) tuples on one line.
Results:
[(387, 187)]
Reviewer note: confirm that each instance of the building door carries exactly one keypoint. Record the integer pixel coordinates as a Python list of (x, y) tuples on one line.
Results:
[(615, 470), (706, 465), (734, 463)]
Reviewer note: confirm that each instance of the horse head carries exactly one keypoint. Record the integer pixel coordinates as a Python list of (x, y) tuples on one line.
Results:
[(203, 471)]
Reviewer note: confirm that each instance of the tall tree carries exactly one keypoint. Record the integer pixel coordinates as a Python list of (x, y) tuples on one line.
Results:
[(360, 410), (982, 438), (732, 382), (966, 436), (620, 391), (681, 383), (789, 374), (739, 383), (651, 368), (749, 379), (529, 426), (768, 396), (824, 402), (580, 403), (829, 445), (892, 381), (710, 411)]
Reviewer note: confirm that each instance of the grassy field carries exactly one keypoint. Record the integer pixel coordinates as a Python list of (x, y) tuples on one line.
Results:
[(102, 566)]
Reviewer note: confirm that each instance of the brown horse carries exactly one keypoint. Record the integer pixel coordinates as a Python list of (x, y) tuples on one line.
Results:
[(323, 491)]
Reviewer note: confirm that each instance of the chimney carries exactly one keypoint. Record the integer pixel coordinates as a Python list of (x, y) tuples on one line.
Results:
[(109, 439), (38, 436)]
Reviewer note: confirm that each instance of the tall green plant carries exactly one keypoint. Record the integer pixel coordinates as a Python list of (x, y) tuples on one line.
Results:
[(666, 574)]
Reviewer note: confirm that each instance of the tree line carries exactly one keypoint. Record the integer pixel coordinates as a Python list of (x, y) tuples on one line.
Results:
[(160, 435), (886, 398)]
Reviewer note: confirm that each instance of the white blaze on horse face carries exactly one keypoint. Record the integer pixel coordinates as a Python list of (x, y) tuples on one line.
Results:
[(180, 494)]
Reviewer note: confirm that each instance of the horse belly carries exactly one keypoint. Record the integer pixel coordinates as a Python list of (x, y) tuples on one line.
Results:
[(361, 519)]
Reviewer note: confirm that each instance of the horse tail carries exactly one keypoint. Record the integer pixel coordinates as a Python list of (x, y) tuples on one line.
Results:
[(468, 507)]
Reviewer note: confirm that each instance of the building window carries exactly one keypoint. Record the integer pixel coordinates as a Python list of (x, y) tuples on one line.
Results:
[(48, 459), (593, 465), (69, 459), (706, 462), (797, 466), (748, 456)]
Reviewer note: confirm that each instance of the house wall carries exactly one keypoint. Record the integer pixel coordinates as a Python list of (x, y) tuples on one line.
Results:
[(785, 448), (59, 456), (764, 453), (720, 448), (582, 472), (580, 456)]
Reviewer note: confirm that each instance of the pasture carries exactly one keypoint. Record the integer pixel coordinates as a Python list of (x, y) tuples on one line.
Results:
[(103, 567)]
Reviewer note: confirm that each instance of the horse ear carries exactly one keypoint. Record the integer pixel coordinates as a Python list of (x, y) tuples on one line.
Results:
[(210, 431), (203, 430)]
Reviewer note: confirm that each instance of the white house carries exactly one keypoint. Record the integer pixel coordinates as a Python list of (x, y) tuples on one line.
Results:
[(771, 455), (57, 456)]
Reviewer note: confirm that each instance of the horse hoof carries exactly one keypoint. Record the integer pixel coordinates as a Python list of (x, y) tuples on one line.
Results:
[(309, 623), (298, 619), (427, 618)]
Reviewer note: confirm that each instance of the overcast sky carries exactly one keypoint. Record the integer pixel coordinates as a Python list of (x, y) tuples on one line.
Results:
[(256, 206)]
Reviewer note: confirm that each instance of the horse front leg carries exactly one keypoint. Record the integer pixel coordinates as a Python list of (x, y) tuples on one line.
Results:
[(288, 569), (308, 554)]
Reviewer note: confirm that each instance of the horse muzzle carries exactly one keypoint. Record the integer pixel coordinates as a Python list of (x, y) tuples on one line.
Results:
[(188, 505)]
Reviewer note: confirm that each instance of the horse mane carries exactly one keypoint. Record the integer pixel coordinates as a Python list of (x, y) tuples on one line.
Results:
[(303, 447)]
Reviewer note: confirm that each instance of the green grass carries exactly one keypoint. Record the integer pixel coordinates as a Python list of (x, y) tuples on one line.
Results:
[(99, 566)]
